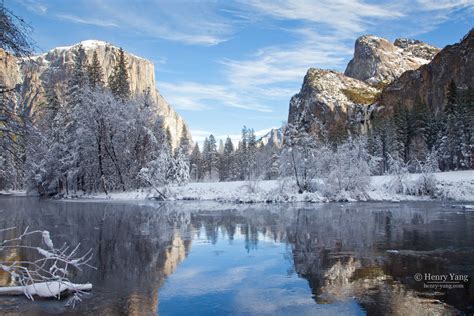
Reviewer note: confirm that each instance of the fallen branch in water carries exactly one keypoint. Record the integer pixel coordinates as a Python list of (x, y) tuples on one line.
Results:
[(46, 276), (46, 289)]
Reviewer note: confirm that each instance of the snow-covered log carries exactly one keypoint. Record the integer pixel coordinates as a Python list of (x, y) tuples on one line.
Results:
[(46, 289), (47, 276)]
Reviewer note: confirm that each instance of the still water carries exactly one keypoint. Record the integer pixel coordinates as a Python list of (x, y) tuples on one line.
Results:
[(188, 258)]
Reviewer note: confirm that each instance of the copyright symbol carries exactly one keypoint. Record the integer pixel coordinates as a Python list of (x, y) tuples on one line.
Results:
[(418, 277)]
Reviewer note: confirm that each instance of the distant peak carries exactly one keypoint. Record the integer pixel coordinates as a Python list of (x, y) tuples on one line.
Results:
[(406, 42), (85, 44), (93, 43), (370, 37)]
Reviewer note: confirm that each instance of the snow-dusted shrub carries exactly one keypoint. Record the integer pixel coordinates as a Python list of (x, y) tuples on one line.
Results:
[(426, 182), (285, 185), (399, 175), (252, 185), (349, 171), (154, 174), (178, 171), (47, 276)]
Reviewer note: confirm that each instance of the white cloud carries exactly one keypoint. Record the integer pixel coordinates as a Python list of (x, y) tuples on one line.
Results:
[(193, 22), (344, 16), (320, 39), (89, 21), (197, 96), (34, 6), (432, 5)]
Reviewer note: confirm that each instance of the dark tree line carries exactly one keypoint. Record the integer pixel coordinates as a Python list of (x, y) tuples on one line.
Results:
[(413, 133)]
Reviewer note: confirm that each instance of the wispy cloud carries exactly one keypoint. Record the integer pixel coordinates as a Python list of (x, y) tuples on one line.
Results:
[(35, 6), (444, 4), (193, 22), (199, 96), (89, 21), (345, 16)]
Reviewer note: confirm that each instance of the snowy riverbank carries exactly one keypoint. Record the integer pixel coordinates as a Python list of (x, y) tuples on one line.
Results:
[(455, 186)]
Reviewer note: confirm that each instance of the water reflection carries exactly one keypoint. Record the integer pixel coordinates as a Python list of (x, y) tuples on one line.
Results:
[(210, 258)]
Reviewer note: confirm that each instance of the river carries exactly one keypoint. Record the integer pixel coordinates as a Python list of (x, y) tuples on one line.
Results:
[(187, 258)]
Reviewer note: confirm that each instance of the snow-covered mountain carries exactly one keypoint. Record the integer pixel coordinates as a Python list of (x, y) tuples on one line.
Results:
[(273, 139), (51, 70), (331, 96), (328, 95), (428, 83)]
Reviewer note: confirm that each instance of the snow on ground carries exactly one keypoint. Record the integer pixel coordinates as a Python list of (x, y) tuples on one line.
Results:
[(453, 185), (456, 185), (13, 192)]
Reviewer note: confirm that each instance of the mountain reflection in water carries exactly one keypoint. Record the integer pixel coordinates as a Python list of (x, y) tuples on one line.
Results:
[(210, 258)]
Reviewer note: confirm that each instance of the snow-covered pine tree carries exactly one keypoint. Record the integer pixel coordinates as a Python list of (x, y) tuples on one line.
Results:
[(252, 155), (184, 143), (70, 121), (195, 164), (220, 148), (95, 73), (205, 162), (213, 159), (242, 155), (119, 82), (380, 143), (466, 126), (227, 161), (274, 170), (178, 172), (455, 143)]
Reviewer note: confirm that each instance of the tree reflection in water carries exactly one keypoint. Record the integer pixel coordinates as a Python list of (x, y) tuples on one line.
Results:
[(341, 250)]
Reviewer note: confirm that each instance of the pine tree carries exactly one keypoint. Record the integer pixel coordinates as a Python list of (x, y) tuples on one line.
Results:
[(226, 171), (455, 144), (168, 140), (95, 73), (451, 97), (76, 98), (381, 144), (243, 156), (274, 170), (119, 82), (252, 155), (213, 159), (184, 143), (195, 168), (205, 162), (404, 131)]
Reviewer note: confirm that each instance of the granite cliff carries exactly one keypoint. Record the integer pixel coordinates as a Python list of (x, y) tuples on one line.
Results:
[(33, 76), (330, 96), (378, 62), (429, 82)]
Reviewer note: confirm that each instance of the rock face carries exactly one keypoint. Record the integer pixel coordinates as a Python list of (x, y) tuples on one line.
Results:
[(9, 74), (327, 95), (273, 139), (377, 61), (52, 69), (429, 82)]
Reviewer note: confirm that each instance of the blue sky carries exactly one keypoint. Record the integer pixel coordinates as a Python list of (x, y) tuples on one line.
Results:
[(225, 64)]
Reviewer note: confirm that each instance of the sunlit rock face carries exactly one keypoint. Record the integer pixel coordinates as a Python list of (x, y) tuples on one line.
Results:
[(9, 74), (52, 69), (328, 95), (429, 82), (376, 60)]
